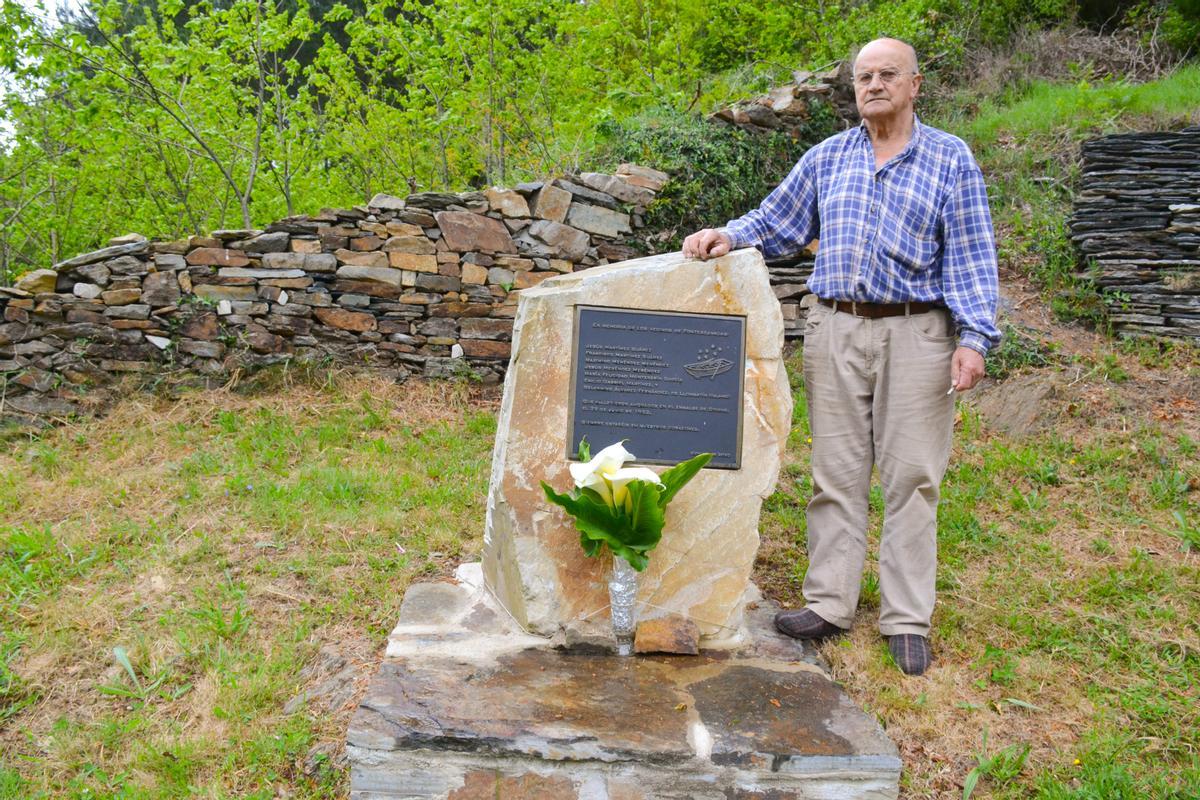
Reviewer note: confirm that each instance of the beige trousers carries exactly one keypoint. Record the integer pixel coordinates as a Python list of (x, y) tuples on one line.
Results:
[(877, 396)]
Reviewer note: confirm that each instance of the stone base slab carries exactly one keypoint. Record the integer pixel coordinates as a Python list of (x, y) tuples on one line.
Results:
[(467, 706)]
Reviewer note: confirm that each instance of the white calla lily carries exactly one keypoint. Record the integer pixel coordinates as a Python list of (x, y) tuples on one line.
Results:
[(617, 529), (607, 461), (594, 474), (596, 482), (619, 480), (607, 475)]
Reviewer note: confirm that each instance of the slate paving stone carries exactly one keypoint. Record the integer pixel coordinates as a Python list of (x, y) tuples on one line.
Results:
[(466, 705)]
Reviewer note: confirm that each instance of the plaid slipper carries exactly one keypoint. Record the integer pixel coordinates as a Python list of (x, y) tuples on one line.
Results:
[(805, 624), (910, 652)]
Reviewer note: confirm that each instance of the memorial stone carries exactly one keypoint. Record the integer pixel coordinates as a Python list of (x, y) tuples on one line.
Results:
[(701, 571)]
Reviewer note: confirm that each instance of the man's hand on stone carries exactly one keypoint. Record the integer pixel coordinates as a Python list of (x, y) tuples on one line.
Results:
[(966, 368), (706, 244)]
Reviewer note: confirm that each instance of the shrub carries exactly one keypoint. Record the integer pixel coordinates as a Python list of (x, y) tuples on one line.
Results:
[(718, 172)]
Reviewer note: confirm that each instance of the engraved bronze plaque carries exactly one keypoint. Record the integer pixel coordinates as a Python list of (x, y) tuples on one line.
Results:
[(669, 383)]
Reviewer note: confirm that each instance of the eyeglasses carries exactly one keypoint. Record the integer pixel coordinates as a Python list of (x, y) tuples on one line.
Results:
[(886, 76)]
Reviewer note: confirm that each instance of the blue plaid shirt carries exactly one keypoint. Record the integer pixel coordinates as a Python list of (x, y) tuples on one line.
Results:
[(918, 229)]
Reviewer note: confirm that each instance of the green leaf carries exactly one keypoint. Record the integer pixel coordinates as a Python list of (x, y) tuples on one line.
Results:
[(970, 783), (591, 547), (636, 560), (645, 516), (677, 477), (585, 450), (629, 535), (122, 658), (1013, 701), (594, 518)]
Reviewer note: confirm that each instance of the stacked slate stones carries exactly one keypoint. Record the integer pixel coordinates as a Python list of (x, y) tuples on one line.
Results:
[(423, 285), (787, 108), (1137, 220), (789, 278)]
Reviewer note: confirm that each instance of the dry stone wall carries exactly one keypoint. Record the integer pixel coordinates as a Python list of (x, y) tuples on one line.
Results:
[(1137, 220), (787, 108), (422, 285)]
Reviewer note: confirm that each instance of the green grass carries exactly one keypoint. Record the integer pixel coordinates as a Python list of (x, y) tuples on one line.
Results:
[(1085, 108), (169, 572), (168, 580), (1066, 633)]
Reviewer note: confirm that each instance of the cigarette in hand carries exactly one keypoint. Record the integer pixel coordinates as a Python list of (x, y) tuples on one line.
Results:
[(951, 389)]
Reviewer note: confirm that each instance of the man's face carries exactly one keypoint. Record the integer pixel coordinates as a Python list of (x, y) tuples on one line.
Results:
[(893, 86)]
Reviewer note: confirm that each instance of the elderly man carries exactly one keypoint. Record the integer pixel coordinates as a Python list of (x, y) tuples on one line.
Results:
[(906, 284)]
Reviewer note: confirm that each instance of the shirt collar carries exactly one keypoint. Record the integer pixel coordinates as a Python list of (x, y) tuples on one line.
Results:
[(909, 149)]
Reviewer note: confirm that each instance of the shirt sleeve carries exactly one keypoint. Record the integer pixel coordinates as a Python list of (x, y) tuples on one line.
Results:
[(786, 220), (970, 279)]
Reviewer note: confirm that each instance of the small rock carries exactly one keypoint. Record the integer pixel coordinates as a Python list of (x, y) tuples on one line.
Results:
[(386, 202), (217, 256), (101, 255), (342, 319), (216, 293), (39, 406), (129, 238), (370, 260), (670, 634), (645, 177), (467, 232), (161, 289), (38, 281), (600, 221), (203, 326), (413, 262), (507, 202), (562, 241), (418, 245), (387, 275), (202, 349), (120, 297), (276, 242), (550, 203), (127, 265)]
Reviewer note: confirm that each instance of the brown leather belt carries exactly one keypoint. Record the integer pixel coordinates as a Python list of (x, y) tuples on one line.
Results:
[(877, 310)]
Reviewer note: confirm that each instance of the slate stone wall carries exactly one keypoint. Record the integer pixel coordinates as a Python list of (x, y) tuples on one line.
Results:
[(1137, 221), (424, 285)]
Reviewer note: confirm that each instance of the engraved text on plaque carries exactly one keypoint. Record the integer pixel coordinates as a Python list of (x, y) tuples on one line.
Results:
[(669, 383)]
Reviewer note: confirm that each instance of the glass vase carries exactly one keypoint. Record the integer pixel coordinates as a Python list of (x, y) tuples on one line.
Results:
[(622, 596)]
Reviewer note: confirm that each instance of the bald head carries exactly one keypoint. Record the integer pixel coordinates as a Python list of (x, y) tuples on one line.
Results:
[(900, 52)]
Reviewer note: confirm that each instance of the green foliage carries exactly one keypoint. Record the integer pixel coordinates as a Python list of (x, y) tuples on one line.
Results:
[(632, 528), (143, 689), (1187, 528), (718, 172), (1001, 768), (179, 117), (1181, 24)]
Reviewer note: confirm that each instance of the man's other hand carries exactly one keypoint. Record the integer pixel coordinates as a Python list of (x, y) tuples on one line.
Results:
[(966, 368), (706, 244)]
